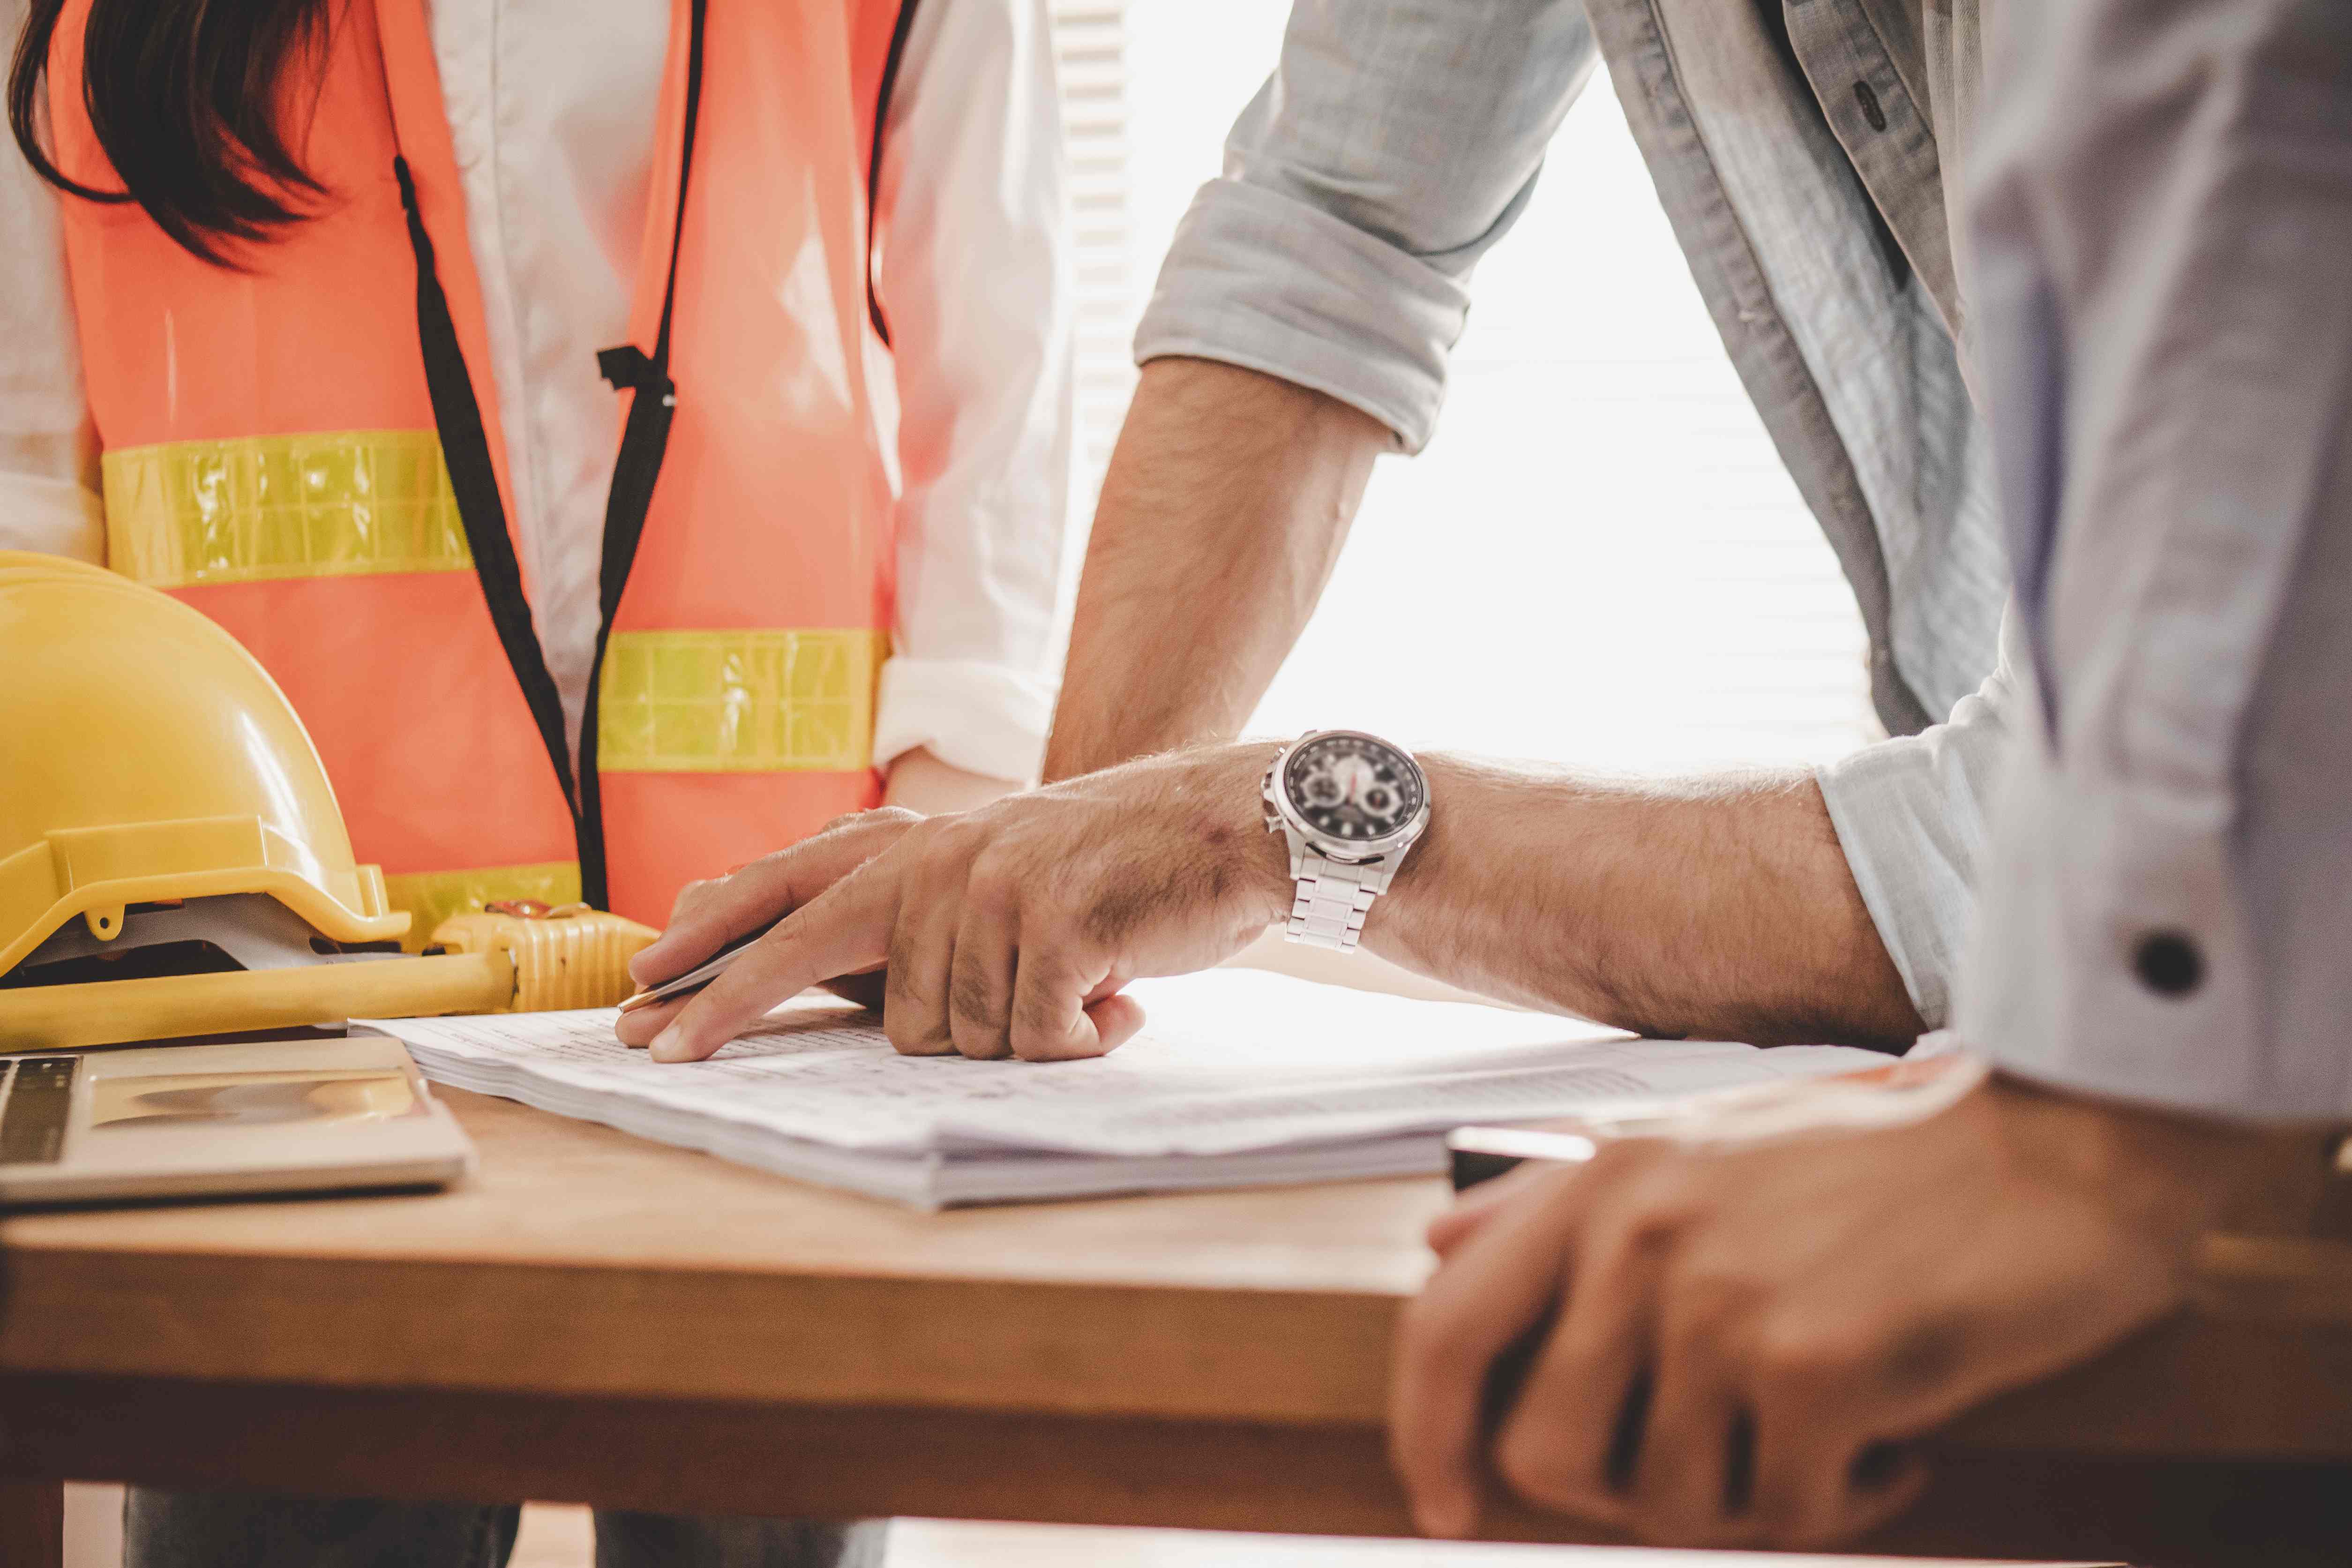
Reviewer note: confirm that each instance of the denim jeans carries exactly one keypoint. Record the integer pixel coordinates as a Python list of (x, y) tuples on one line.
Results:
[(230, 1530)]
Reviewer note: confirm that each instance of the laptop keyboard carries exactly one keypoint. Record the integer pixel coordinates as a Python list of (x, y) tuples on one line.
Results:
[(35, 1103)]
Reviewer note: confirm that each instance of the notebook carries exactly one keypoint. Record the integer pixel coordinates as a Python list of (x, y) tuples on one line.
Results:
[(1240, 1078)]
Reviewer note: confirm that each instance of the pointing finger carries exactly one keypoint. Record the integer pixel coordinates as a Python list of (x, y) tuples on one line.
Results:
[(638, 1029), (754, 894), (845, 928)]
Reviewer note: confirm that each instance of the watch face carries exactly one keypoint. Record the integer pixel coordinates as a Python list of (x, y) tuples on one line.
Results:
[(1352, 786)]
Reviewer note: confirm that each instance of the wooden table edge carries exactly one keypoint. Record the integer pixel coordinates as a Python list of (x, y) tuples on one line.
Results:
[(818, 1460)]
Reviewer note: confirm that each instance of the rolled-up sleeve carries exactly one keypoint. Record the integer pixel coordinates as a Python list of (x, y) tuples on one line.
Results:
[(1394, 143), (2161, 231), (1910, 815)]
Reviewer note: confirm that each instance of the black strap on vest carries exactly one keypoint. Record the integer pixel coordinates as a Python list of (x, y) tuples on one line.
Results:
[(466, 448), (644, 440), (898, 31)]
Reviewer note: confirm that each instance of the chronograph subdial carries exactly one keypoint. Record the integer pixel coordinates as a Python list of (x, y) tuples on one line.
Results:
[(1352, 787)]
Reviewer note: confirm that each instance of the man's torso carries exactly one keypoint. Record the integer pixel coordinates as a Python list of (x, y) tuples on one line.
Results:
[(1807, 155)]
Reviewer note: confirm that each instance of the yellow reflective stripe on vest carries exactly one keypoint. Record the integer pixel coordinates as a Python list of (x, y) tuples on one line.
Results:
[(432, 897), (333, 504), (737, 702)]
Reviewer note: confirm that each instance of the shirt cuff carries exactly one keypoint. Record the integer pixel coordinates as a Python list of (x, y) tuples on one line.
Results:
[(1910, 815), (986, 718), (2116, 957), (1911, 832), (1260, 279), (51, 516)]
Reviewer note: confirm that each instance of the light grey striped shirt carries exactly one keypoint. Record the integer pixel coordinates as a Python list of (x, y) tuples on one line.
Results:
[(2164, 240), (1800, 152)]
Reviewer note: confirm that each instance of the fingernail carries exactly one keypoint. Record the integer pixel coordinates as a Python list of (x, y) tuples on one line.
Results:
[(668, 1046)]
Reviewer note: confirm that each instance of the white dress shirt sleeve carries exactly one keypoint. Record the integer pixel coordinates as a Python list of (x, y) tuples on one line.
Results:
[(1394, 145), (1910, 815), (48, 496), (2161, 234), (974, 283)]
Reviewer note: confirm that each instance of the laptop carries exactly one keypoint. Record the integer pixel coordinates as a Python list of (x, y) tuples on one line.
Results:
[(298, 1113)]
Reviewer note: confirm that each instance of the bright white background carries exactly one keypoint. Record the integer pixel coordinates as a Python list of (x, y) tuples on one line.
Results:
[(1599, 558)]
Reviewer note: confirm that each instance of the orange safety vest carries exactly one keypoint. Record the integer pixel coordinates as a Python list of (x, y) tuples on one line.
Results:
[(309, 451)]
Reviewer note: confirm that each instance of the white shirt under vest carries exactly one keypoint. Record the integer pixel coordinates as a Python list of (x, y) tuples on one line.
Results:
[(552, 105)]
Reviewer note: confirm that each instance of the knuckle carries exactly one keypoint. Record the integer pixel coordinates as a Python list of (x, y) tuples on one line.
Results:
[(980, 1046), (1430, 1344), (905, 983), (1624, 1158), (1810, 1524), (1036, 1017), (911, 1036), (1661, 1195), (766, 960), (1062, 948), (960, 837), (1049, 940), (921, 1049), (908, 1021), (692, 897), (1796, 1357), (1669, 1524), (1705, 1304), (1919, 1355), (1622, 1239), (1647, 1225), (1534, 1461), (995, 883), (973, 997)]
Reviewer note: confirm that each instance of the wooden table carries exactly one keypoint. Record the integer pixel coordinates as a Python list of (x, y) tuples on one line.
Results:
[(599, 1319)]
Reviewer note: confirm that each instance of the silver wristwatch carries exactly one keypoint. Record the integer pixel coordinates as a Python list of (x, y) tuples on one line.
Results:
[(1351, 804)]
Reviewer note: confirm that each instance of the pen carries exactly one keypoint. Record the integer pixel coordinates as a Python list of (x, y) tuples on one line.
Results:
[(701, 975)]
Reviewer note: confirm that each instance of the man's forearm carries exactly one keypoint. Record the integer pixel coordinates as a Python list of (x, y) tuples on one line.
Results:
[(1720, 908), (1228, 497)]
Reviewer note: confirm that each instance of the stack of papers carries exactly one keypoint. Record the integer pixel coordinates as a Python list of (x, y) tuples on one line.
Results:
[(1240, 1078)]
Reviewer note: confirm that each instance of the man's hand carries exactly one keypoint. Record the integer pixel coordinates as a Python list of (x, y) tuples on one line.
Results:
[(1724, 1347), (1008, 931)]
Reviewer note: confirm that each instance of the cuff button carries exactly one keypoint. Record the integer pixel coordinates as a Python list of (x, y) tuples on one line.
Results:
[(2169, 964)]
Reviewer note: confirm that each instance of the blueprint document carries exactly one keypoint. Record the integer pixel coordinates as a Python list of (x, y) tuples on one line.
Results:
[(1239, 1077)]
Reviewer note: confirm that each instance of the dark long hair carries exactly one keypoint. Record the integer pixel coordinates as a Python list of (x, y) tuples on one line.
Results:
[(186, 97)]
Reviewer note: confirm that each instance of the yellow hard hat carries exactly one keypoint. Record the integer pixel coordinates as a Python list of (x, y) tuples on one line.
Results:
[(146, 757)]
